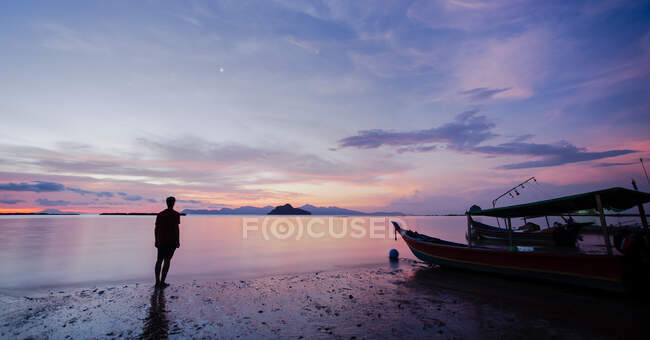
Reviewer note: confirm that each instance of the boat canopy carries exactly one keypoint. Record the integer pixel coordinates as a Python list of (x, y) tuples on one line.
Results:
[(616, 199)]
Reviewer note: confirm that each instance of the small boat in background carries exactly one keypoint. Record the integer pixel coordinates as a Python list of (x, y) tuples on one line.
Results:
[(560, 235), (628, 269)]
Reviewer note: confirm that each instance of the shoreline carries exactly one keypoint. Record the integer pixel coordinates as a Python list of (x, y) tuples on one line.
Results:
[(46, 290), (404, 299)]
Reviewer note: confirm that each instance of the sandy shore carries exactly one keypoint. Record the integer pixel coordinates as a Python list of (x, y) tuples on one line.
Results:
[(408, 299)]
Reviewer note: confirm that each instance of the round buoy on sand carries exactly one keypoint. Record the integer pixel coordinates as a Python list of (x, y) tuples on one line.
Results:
[(393, 254)]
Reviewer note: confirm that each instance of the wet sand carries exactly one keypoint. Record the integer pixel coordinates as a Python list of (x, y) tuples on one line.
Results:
[(405, 299)]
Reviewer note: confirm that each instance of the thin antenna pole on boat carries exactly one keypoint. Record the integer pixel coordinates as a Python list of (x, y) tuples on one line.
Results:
[(494, 201)]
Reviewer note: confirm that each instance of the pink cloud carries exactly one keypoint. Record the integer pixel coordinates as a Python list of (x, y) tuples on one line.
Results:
[(514, 64), (466, 14)]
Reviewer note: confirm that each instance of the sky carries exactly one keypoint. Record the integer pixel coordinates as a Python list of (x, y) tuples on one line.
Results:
[(414, 106)]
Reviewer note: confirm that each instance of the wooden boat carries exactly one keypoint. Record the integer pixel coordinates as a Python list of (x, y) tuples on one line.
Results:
[(563, 235), (609, 272)]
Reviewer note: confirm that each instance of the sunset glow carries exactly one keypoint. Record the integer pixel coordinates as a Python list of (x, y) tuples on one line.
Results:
[(414, 106)]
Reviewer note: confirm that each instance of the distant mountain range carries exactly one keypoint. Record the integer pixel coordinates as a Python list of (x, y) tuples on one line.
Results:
[(57, 212), (245, 210), (314, 210), (43, 212), (347, 212)]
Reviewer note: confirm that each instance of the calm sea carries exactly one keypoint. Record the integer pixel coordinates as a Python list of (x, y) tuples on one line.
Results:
[(42, 251), (47, 251)]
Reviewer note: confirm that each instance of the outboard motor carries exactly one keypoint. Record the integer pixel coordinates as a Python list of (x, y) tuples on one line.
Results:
[(566, 235)]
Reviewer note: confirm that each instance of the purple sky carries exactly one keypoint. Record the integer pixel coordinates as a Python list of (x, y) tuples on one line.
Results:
[(417, 106)]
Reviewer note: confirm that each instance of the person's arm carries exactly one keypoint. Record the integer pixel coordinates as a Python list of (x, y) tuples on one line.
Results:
[(178, 240), (156, 231), (177, 231)]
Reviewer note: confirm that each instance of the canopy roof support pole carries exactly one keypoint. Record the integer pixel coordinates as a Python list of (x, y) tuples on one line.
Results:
[(603, 224), (644, 220), (548, 225), (469, 230), (510, 233)]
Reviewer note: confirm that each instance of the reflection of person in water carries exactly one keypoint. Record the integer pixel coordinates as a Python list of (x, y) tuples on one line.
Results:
[(167, 240), (156, 325)]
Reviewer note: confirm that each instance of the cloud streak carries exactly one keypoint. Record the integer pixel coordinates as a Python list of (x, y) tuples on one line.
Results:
[(88, 192), (189, 201), (551, 154), (11, 201), (131, 197), (606, 165), (482, 93), (466, 133), (35, 186), (51, 203), (42, 186), (54, 203)]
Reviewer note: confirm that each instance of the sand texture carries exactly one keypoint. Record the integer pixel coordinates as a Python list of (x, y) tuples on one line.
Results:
[(403, 300)]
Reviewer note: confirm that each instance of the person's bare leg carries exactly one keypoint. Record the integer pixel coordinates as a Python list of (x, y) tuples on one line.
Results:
[(157, 271), (165, 269)]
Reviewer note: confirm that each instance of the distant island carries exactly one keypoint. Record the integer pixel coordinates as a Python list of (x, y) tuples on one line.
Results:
[(287, 209), (314, 210)]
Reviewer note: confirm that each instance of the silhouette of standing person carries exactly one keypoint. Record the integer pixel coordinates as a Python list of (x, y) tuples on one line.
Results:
[(167, 240)]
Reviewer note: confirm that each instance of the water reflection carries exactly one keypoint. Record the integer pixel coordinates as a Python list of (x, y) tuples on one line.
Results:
[(60, 250), (78, 249), (156, 325)]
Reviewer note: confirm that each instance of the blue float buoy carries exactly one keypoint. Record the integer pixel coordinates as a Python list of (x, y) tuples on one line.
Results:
[(393, 254)]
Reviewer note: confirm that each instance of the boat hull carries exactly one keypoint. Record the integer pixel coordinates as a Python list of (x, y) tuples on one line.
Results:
[(596, 271)]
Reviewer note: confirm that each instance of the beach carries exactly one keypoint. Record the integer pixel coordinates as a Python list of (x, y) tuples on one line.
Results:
[(319, 169), (387, 300)]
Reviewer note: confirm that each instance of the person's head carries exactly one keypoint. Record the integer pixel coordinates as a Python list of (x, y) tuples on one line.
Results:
[(170, 202)]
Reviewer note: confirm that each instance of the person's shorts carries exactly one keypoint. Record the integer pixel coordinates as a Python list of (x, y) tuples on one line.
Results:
[(166, 253)]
